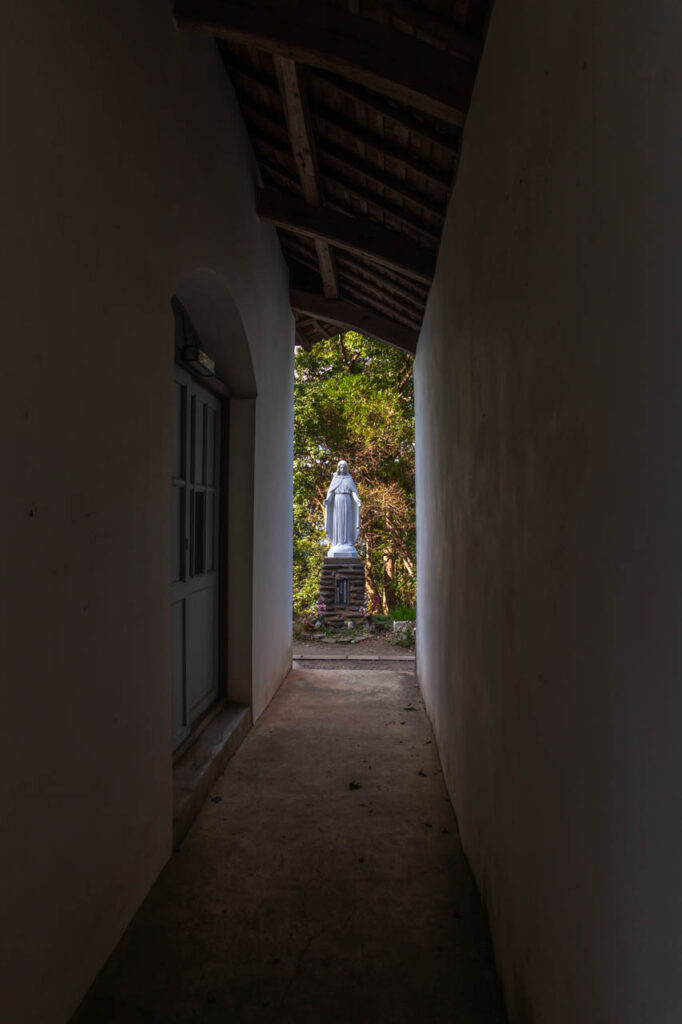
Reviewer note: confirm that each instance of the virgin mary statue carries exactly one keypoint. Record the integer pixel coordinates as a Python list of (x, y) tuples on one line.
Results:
[(342, 514)]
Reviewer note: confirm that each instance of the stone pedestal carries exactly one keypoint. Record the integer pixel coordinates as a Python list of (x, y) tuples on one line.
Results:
[(342, 588)]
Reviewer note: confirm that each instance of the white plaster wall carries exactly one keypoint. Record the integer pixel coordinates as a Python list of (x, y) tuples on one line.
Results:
[(273, 531), (125, 167), (549, 418)]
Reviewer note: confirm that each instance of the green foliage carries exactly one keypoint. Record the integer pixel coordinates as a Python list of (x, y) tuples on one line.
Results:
[(382, 622), (401, 613), (354, 400)]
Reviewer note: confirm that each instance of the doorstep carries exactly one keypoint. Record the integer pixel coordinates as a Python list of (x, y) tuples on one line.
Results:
[(198, 768), (353, 657)]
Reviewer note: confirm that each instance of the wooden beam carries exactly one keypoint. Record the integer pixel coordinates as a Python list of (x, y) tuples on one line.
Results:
[(402, 156), (302, 340), (373, 275), (356, 318), (444, 138), (389, 303), (434, 26), (292, 90), (402, 286), (298, 253), (362, 237), (340, 157), (253, 74), (396, 303), (323, 330), (279, 173), (384, 206), (377, 305), (332, 38), (398, 115), (301, 145), (298, 122), (336, 156)]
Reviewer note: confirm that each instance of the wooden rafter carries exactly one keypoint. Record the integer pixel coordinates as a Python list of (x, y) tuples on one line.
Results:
[(280, 174), (334, 39), (458, 41), (364, 238), (355, 317), (382, 203), (388, 149), (357, 133), (331, 155), (302, 340), (295, 103), (353, 130), (384, 206), (299, 255), (337, 156), (417, 288), (393, 287), (371, 300), (249, 72), (397, 115), (370, 292), (389, 302)]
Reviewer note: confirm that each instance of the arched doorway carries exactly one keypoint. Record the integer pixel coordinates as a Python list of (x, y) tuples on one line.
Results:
[(211, 505)]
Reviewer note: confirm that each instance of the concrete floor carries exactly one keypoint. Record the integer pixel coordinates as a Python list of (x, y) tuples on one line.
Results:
[(322, 882)]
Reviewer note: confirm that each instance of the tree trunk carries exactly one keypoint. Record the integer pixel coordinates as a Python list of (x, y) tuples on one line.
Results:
[(389, 581)]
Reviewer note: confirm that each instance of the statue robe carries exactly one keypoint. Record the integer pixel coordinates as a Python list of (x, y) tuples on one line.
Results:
[(342, 513)]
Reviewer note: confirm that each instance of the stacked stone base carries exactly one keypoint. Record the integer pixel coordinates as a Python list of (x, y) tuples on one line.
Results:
[(342, 580)]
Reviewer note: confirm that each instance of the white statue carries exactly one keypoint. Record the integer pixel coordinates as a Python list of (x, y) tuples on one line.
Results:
[(342, 514)]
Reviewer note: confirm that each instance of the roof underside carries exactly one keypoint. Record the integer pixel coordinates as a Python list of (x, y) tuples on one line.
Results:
[(355, 110)]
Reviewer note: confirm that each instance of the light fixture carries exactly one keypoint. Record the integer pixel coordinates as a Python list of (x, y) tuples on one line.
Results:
[(199, 360)]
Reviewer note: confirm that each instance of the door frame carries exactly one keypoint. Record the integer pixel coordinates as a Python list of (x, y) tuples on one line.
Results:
[(219, 391), (207, 315)]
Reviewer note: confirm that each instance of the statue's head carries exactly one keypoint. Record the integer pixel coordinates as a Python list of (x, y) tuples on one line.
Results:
[(342, 468)]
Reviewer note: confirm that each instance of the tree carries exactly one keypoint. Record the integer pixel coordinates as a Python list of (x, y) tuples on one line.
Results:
[(354, 399)]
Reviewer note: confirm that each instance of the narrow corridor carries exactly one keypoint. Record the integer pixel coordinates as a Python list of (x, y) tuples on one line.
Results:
[(323, 881)]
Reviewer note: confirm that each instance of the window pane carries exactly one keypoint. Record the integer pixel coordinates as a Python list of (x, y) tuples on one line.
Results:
[(199, 441), (210, 531), (177, 532), (199, 532), (210, 447)]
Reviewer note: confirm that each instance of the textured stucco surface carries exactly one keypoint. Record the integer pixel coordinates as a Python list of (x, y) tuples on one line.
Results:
[(126, 170), (549, 502)]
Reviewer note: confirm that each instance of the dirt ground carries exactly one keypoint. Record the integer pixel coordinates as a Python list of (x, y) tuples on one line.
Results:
[(379, 651)]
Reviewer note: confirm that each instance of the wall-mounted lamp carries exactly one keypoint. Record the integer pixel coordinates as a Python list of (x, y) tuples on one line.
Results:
[(199, 360)]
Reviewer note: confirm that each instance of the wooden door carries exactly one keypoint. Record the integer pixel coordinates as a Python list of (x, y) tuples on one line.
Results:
[(195, 507)]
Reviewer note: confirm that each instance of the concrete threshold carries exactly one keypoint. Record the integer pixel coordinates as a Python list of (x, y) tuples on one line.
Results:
[(198, 768), (353, 657)]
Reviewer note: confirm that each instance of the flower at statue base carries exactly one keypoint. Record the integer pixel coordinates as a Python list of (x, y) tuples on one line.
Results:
[(316, 616)]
